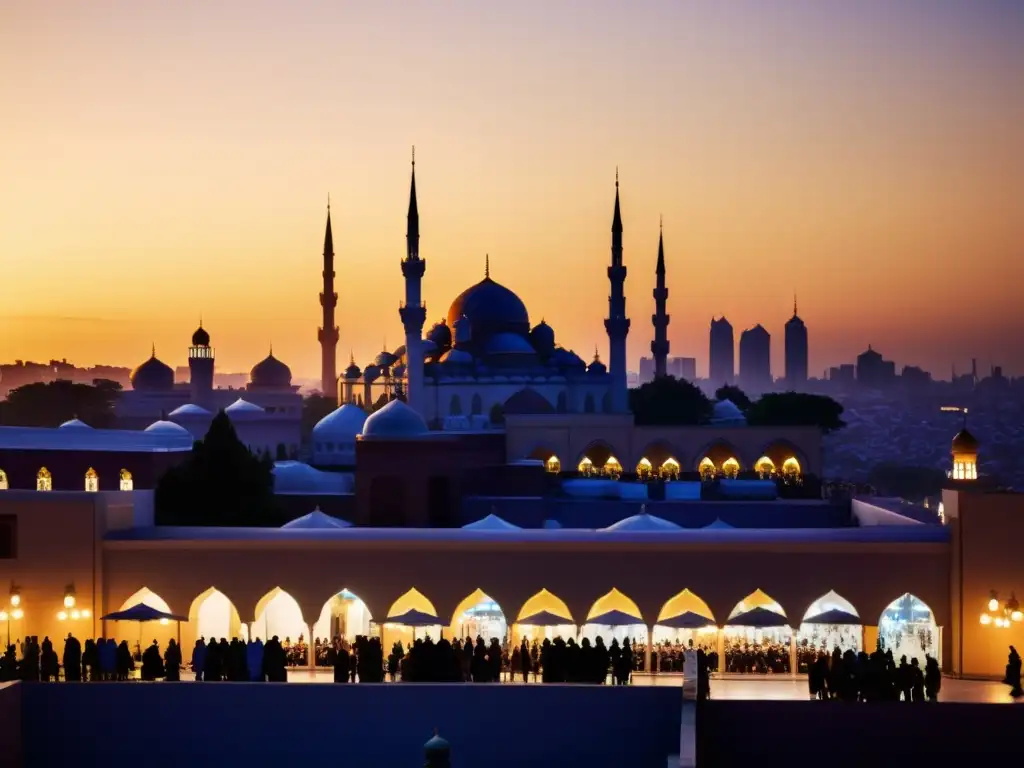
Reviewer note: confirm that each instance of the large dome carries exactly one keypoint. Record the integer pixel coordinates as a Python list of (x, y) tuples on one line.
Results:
[(342, 424), (271, 373), (394, 420), (153, 375), (491, 308)]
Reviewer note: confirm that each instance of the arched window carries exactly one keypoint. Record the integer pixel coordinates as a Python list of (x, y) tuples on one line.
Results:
[(553, 465), (455, 407), (730, 467), (670, 469), (477, 406), (562, 404), (606, 402), (765, 467), (3, 480), (612, 467), (585, 467), (644, 468), (92, 480), (791, 466), (127, 484), (44, 480), (706, 468)]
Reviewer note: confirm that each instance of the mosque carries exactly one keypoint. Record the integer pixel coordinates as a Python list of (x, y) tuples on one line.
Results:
[(267, 414)]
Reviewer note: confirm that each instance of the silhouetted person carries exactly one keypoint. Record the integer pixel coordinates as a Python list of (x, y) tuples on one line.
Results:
[(199, 659), (106, 655), (72, 659), (1012, 678), (49, 666), (932, 678), (917, 680), (254, 656), (152, 663), (525, 660), (124, 661), (340, 662), (172, 662)]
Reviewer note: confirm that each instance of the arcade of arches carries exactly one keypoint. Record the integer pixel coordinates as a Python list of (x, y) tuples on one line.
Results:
[(758, 635)]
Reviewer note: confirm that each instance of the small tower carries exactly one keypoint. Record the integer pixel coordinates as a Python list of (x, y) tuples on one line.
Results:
[(964, 452), (413, 312), (200, 365), (327, 334), (617, 324), (660, 345)]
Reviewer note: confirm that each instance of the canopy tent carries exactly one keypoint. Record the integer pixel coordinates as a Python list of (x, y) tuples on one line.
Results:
[(316, 521), (718, 524), (616, 619), (545, 619), (834, 616), (414, 618), (760, 618), (687, 620), (142, 613), (491, 523), (643, 523)]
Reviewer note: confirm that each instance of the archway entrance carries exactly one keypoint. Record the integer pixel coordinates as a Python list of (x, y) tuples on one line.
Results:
[(758, 638), (907, 628), (213, 616), (343, 617), (138, 634), (830, 622), (614, 617), (551, 461), (543, 617), (415, 605), (685, 622), (479, 616)]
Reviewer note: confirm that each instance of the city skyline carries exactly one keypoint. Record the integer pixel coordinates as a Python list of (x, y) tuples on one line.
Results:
[(875, 173)]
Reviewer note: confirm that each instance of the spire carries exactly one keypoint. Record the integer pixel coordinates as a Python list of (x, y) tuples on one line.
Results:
[(412, 229), (328, 235), (153, 350), (617, 218), (351, 357), (487, 266), (794, 304), (660, 270)]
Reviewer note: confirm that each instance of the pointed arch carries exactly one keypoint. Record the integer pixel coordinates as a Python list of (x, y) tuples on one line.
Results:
[(562, 403), (765, 467), (455, 406), (278, 614), (685, 602), (126, 481), (146, 596), (92, 480), (907, 627), (757, 599), (659, 458), (44, 480), (545, 601), (830, 601), (606, 402), (602, 456), (213, 615), (476, 405), (345, 616), (717, 452), (588, 403), (479, 615), (780, 450), (614, 600), (413, 600)]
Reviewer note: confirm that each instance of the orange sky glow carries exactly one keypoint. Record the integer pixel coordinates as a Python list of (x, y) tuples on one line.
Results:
[(166, 160)]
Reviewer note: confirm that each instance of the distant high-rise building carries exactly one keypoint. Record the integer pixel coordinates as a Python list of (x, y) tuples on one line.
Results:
[(796, 350), (873, 371), (756, 359), (677, 367), (722, 357)]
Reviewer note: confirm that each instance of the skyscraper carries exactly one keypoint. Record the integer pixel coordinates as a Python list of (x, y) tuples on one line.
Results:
[(722, 357), (796, 351), (756, 359), (328, 333)]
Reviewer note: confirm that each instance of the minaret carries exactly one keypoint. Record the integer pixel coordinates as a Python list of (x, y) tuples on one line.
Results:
[(659, 347), (328, 333), (414, 311), (617, 324)]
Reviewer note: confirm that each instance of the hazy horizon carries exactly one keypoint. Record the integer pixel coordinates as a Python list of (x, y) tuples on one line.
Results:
[(166, 162)]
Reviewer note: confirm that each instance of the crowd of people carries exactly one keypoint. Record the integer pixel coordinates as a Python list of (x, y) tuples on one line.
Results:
[(851, 676), (757, 658)]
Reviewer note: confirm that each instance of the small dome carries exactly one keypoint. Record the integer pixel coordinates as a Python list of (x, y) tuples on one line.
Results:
[(270, 373), (352, 372), (316, 521), (508, 344), (527, 401), (342, 424), (371, 373), (189, 409), (74, 424), (152, 375), (727, 412), (491, 523), (243, 408), (385, 359), (965, 442), (596, 367), (394, 420), (457, 357), (200, 338), (570, 360), (164, 427), (643, 523), (543, 338)]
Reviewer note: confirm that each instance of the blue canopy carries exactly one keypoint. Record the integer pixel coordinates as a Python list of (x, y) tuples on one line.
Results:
[(834, 616), (616, 619), (760, 618), (687, 620), (141, 612), (414, 618), (545, 619)]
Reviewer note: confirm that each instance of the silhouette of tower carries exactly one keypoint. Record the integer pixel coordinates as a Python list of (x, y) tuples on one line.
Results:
[(200, 366), (722, 353), (660, 346), (755, 359), (414, 311), (617, 324), (796, 350), (328, 333)]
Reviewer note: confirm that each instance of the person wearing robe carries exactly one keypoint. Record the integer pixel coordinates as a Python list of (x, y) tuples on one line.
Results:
[(1012, 678), (340, 662), (72, 659), (254, 659), (199, 659), (152, 663), (932, 678), (172, 662), (124, 663)]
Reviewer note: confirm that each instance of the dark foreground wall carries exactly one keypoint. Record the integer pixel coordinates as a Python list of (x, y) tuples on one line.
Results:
[(383, 726), (836, 735)]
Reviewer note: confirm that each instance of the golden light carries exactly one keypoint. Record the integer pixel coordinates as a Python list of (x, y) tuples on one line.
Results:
[(17, 614), (164, 622), (1017, 615), (86, 613), (62, 616), (993, 605), (69, 596), (75, 614), (15, 597), (4, 616), (986, 619)]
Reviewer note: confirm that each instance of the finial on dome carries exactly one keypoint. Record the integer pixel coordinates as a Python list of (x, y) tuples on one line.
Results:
[(351, 357), (487, 266), (152, 352), (794, 304), (328, 203), (271, 349), (661, 222), (597, 355), (616, 177), (413, 155)]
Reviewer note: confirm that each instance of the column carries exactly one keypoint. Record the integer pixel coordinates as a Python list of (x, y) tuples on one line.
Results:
[(310, 651)]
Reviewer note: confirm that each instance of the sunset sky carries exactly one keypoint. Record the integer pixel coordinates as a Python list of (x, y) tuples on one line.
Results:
[(161, 160)]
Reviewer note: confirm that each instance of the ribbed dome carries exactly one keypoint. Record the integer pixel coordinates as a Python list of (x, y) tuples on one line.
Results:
[(394, 420), (342, 424), (74, 424), (270, 373), (353, 372), (727, 412), (491, 308), (152, 375), (543, 338), (164, 427), (965, 442), (200, 338)]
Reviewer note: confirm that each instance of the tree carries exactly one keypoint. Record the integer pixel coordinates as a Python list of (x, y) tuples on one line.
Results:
[(735, 394), (908, 482), (50, 404), (221, 483), (796, 409), (314, 408), (497, 415), (669, 401)]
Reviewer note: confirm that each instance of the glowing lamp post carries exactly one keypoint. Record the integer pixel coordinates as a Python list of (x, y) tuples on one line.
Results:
[(70, 611), (1002, 616), (13, 611)]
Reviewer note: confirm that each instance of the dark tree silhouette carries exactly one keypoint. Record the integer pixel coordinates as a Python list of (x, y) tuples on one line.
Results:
[(668, 400), (908, 482), (221, 483), (314, 408), (49, 404), (796, 409), (497, 415), (735, 394)]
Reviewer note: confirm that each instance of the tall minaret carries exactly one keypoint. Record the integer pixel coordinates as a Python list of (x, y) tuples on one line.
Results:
[(328, 334), (414, 311), (617, 323), (659, 347)]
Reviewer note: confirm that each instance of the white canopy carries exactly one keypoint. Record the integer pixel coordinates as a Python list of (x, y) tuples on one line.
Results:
[(491, 523)]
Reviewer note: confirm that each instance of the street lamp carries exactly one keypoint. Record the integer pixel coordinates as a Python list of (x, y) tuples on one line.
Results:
[(1004, 616), (70, 611), (13, 612)]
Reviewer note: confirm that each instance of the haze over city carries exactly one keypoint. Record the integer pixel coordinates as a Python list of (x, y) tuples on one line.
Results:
[(163, 163)]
